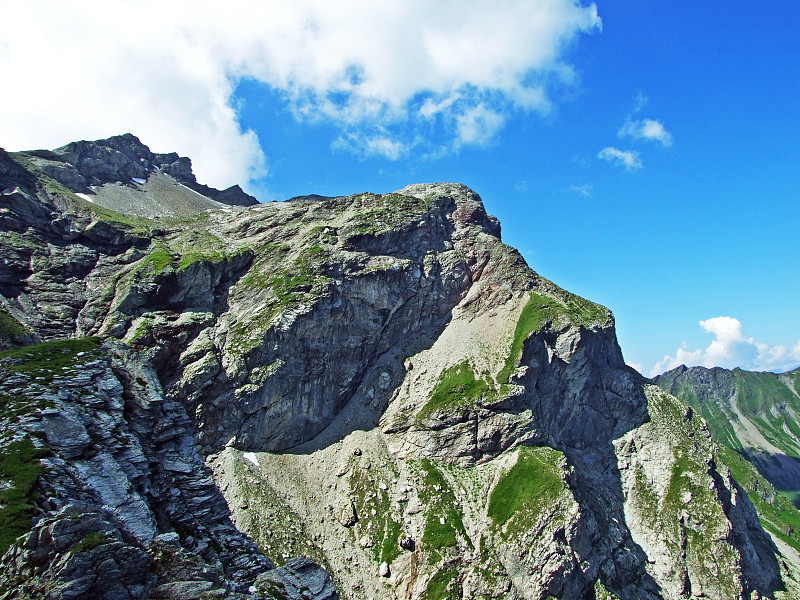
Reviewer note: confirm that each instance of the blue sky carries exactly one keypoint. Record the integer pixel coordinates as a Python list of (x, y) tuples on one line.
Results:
[(645, 155)]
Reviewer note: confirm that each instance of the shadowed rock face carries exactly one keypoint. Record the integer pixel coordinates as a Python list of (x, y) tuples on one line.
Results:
[(439, 419)]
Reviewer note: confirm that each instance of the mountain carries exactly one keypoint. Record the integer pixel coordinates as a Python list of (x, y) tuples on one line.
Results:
[(195, 391), (756, 414), (754, 417)]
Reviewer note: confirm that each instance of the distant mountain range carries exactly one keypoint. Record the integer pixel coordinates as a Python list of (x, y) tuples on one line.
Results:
[(754, 417), (756, 414)]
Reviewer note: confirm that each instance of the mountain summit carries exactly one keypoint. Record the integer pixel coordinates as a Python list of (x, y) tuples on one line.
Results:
[(196, 392), (122, 174)]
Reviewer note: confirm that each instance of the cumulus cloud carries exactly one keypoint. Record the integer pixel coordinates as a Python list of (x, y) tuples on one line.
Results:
[(636, 129), (646, 129), (621, 158), (168, 71), (731, 348)]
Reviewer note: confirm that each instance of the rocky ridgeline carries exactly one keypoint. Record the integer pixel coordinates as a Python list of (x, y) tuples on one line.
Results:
[(80, 166), (753, 413), (376, 382)]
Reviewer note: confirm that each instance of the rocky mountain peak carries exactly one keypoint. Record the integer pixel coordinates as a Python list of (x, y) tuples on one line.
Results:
[(124, 159), (373, 381)]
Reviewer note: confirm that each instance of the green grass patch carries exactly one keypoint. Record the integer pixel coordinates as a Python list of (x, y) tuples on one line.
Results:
[(601, 593), (436, 494), (303, 282), (538, 311), (438, 535), (387, 213), (49, 358), (158, 260), (195, 244), (533, 317), (457, 386), (582, 311), (19, 470), (386, 531), (189, 258), (268, 263), (181, 221), (91, 541), (531, 485), (443, 586), (9, 327), (389, 547)]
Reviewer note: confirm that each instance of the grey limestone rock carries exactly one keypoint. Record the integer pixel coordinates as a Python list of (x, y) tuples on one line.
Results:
[(298, 579), (438, 419)]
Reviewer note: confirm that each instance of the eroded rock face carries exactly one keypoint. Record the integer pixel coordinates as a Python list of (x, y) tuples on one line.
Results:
[(438, 420), (126, 507)]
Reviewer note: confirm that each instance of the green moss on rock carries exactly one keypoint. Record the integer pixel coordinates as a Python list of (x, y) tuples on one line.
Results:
[(48, 359), (19, 470), (92, 540)]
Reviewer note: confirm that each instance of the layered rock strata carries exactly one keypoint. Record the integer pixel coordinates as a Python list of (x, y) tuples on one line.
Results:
[(378, 383)]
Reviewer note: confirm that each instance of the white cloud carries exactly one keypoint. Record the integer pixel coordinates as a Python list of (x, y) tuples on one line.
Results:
[(380, 144), (621, 158), (636, 366), (167, 70), (478, 125), (646, 129), (584, 190), (730, 349)]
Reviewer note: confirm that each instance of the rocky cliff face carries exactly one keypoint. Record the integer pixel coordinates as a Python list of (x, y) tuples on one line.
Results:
[(376, 382)]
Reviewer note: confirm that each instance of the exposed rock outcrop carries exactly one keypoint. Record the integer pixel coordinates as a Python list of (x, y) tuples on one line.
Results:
[(126, 507), (376, 381), (124, 159)]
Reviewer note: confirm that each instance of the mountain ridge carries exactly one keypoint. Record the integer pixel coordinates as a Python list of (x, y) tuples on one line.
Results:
[(360, 375), (754, 413)]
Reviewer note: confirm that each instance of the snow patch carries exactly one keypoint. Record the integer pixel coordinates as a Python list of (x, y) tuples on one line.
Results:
[(138, 180), (193, 191), (251, 456), (84, 196)]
